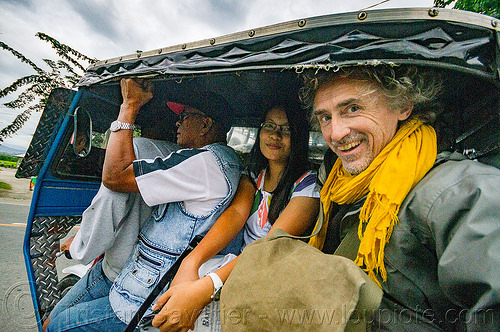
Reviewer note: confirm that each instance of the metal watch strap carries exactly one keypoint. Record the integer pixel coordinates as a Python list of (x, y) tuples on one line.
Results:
[(118, 125), (125, 125)]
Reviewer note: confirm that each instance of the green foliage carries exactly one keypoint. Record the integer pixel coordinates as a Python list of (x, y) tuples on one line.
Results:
[(4, 185), (8, 164), (33, 90), (6, 157), (487, 7)]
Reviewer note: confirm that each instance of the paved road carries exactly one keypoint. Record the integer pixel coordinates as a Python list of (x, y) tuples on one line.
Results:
[(16, 307)]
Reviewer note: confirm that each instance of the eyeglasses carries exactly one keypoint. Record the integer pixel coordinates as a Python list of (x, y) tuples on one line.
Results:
[(184, 115), (271, 127)]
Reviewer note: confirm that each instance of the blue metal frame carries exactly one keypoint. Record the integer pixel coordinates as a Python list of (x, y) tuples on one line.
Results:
[(47, 191)]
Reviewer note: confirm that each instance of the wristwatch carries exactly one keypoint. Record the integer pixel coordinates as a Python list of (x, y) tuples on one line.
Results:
[(117, 125), (217, 285)]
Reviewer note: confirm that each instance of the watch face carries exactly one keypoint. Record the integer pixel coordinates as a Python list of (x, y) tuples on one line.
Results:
[(115, 125)]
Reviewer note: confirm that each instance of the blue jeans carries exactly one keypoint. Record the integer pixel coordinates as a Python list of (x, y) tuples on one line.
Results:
[(86, 306)]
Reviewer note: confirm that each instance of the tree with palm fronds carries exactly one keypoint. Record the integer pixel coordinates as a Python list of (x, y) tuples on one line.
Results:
[(34, 89)]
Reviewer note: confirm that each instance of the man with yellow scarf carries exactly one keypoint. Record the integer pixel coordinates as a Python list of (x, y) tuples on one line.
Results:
[(428, 223)]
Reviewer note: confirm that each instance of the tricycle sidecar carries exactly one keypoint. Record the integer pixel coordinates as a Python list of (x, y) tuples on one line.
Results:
[(251, 69)]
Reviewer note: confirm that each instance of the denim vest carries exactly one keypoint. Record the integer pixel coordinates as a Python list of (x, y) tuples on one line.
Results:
[(164, 237)]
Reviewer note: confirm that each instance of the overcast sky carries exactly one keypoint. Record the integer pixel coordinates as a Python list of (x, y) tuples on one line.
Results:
[(109, 28)]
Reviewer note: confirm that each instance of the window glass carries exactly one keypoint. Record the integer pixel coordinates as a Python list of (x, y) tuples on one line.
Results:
[(242, 139), (71, 166)]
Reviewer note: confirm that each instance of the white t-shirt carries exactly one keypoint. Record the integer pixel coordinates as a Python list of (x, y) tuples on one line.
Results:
[(188, 175), (257, 225)]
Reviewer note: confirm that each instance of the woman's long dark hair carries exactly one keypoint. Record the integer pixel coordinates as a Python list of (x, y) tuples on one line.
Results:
[(298, 161)]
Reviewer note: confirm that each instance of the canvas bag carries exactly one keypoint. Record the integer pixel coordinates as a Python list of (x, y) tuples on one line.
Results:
[(283, 284)]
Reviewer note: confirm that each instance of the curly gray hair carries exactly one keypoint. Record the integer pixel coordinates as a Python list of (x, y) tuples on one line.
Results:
[(402, 86)]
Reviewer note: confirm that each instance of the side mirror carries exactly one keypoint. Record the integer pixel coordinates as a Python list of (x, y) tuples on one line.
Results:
[(82, 133)]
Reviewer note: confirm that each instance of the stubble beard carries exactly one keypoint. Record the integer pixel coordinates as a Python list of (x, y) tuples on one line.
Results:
[(356, 163)]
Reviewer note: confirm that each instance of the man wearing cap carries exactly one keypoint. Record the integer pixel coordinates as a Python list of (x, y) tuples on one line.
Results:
[(188, 190)]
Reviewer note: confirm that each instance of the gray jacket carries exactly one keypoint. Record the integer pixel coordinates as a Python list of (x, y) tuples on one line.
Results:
[(111, 223), (443, 258)]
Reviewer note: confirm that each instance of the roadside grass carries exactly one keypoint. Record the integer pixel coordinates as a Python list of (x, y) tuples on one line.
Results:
[(7, 163), (4, 185)]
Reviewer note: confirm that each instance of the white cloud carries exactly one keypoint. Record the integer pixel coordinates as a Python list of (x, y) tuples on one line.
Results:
[(110, 28)]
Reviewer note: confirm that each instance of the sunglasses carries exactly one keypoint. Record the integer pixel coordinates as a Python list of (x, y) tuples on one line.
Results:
[(271, 127)]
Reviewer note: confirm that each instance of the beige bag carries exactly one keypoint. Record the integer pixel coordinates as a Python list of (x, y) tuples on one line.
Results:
[(283, 284)]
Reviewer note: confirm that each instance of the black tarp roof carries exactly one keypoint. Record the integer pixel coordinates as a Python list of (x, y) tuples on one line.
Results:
[(446, 38)]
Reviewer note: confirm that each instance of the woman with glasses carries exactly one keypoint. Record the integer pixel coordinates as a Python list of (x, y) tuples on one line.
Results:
[(279, 192)]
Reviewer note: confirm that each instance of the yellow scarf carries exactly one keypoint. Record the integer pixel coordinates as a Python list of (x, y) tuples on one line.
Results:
[(387, 181)]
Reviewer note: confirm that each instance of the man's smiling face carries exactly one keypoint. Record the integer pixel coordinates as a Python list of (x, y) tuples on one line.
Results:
[(355, 121)]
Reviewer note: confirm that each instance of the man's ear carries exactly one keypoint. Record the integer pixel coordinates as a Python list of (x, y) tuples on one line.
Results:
[(405, 113), (207, 125)]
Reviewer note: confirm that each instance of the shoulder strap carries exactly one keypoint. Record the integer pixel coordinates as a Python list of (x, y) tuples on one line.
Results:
[(349, 245), (167, 277)]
